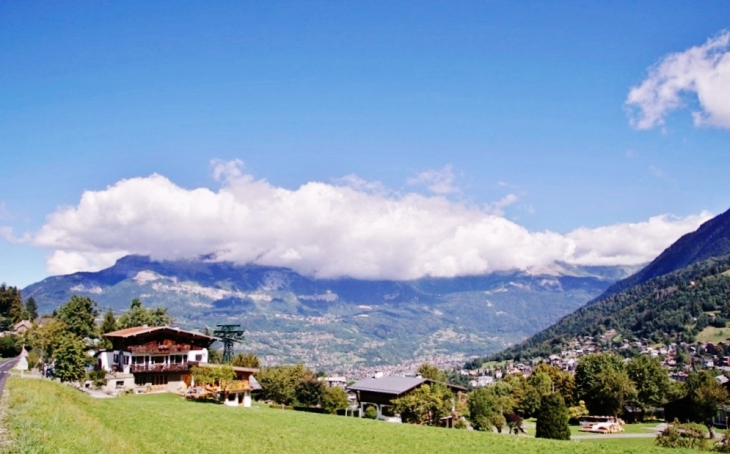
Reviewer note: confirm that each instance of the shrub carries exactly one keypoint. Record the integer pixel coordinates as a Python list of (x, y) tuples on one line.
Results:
[(371, 412), (687, 435), (97, 377)]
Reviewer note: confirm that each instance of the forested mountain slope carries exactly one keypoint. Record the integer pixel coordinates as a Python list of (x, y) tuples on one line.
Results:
[(670, 308), (711, 239), (673, 297)]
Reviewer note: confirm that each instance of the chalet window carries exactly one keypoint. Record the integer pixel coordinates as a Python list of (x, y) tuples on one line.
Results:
[(126, 359), (185, 359), (116, 358), (120, 384), (198, 357), (158, 359)]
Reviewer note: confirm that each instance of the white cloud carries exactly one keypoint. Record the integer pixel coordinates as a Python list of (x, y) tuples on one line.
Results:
[(327, 230), (703, 70), (438, 181), (498, 207)]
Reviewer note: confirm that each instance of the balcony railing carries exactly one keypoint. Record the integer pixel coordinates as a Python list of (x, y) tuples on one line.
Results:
[(175, 348), (178, 367)]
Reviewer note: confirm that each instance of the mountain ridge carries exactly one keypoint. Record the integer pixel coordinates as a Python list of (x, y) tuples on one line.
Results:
[(327, 322)]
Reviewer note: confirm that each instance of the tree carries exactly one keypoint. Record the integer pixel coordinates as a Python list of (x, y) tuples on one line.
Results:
[(562, 381), (246, 360), (431, 372), (16, 311), (31, 309), (45, 338), (424, 405), (78, 315), (591, 378), (705, 395), (308, 391), (334, 399), (552, 418), (279, 383), (484, 404), (650, 380), (138, 315), (70, 358), (109, 323), (221, 376), (613, 389)]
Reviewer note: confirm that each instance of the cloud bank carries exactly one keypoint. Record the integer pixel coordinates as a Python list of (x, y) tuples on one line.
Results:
[(703, 70), (348, 228)]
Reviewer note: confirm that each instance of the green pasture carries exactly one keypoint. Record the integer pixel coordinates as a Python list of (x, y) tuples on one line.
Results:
[(47, 417)]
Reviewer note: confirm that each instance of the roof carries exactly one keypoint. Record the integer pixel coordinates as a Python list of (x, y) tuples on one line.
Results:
[(137, 330), (396, 385), (387, 385)]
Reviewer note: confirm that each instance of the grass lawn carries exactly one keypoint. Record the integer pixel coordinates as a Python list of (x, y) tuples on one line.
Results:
[(46, 417), (713, 334)]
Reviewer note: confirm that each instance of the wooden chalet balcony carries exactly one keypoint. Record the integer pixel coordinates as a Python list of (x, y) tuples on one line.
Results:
[(153, 348), (178, 367)]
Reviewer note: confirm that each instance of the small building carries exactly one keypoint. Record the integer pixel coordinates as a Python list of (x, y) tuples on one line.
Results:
[(380, 393), (238, 393)]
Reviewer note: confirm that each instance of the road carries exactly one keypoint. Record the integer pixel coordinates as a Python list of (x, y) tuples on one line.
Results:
[(5, 372)]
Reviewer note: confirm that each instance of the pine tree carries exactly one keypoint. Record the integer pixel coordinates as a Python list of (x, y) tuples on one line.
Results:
[(16, 311), (31, 309), (109, 323), (552, 418)]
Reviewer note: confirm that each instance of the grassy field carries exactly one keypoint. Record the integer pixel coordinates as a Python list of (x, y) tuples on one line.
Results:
[(46, 417), (713, 334)]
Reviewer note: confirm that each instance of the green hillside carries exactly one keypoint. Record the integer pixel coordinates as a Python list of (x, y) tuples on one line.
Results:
[(47, 417), (675, 307)]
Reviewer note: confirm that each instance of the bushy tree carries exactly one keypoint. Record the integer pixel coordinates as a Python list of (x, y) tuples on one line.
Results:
[(70, 358), (602, 383), (138, 315), (308, 391), (552, 418), (432, 373), (650, 380), (246, 360), (484, 404), (705, 395), (78, 316), (334, 399), (45, 338), (279, 382), (425, 405)]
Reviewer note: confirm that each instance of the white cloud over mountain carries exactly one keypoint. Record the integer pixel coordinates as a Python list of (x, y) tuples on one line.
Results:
[(703, 70), (350, 228)]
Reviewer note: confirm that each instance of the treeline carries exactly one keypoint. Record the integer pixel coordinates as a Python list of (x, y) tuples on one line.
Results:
[(670, 308), (13, 310), (603, 384)]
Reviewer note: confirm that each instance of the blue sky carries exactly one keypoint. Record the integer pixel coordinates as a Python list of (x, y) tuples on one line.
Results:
[(473, 112)]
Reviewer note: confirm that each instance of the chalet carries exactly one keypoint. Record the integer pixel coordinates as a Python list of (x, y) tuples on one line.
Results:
[(155, 358), (380, 393)]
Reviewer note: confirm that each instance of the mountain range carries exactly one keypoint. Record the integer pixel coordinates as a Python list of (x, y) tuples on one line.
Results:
[(340, 323)]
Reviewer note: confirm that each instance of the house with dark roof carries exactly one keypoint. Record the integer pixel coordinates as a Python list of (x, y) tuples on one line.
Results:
[(380, 393), (154, 358)]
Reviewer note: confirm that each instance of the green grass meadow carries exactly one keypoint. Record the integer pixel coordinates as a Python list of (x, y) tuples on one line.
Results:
[(47, 417)]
